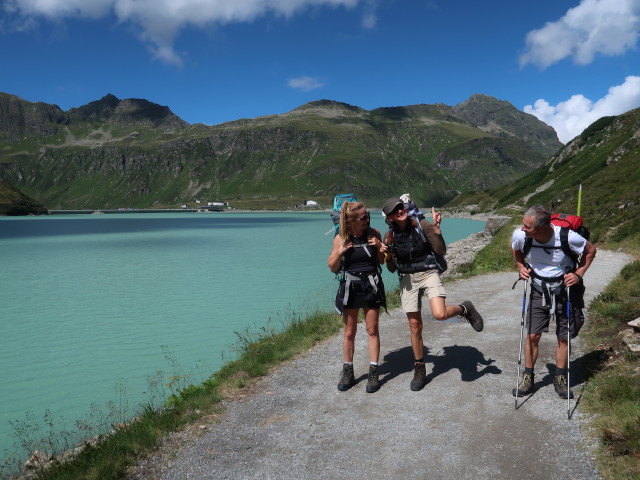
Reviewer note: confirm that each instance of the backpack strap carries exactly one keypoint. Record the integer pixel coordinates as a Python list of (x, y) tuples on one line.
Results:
[(370, 233), (564, 245), (418, 228), (420, 231)]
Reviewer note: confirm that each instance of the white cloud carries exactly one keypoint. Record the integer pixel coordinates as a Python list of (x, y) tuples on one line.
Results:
[(369, 18), (305, 84), (369, 21), (160, 21), (56, 9), (571, 117), (594, 27)]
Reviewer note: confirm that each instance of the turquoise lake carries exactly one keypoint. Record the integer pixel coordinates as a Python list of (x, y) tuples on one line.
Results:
[(94, 305)]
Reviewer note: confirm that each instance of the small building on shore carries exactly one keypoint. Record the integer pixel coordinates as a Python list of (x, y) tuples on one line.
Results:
[(308, 204)]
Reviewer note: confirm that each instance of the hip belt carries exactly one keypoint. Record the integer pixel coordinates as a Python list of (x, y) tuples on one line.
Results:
[(372, 278), (550, 287), (428, 263)]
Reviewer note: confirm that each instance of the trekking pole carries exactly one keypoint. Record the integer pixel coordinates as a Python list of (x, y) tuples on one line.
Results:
[(524, 313), (568, 355)]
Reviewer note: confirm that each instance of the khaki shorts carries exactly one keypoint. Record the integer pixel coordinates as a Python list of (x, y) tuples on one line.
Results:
[(413, 287)]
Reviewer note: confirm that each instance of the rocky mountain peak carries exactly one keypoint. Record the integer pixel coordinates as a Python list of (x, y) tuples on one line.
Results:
[(131, 111), (20, 118), (328, 105)]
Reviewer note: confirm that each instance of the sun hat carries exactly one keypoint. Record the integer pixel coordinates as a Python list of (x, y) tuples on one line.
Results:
[(391, 204)]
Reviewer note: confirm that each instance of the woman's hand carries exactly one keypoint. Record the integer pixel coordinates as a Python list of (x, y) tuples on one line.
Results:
[(348, 244), (436, 217), (376, 242), (337, 251)]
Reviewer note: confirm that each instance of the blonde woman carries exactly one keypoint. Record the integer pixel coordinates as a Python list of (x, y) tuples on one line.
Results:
[(356, 254)]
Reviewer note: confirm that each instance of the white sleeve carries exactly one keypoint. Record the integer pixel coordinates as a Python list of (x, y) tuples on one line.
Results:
[(576, 242), (517, 239)]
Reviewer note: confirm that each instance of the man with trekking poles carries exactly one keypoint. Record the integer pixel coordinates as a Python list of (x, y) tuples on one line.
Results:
[(552, 261)]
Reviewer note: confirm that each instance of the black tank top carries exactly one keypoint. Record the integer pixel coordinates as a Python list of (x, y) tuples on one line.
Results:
[(361, 258)]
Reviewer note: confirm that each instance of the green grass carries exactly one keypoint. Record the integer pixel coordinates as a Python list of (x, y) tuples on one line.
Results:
[(495, 257), (612, 392), (110, 457)]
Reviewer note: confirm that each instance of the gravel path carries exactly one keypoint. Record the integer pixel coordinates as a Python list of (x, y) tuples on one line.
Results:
[(296, 425)]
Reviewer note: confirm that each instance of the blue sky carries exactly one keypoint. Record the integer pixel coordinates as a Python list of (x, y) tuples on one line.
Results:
[(569, 62)]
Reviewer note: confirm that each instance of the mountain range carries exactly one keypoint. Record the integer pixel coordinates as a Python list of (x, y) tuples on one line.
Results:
[(114, 153)]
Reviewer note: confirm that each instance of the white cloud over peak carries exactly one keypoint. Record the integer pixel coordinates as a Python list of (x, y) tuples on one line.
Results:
[(571, 117), (594, 27), (160, 21), (306, 84)]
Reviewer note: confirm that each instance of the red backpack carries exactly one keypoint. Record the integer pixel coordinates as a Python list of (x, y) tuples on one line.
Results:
[(566, 222), (573, 222)]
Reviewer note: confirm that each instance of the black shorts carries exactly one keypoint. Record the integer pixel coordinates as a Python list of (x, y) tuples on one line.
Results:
[(361, 294), (539, 315)]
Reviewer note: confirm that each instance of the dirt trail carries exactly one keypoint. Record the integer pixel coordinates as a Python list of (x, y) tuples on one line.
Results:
[(462, 425)]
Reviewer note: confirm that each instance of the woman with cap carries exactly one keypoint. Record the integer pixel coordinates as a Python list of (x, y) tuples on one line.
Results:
[(418, 249), (356, 255)]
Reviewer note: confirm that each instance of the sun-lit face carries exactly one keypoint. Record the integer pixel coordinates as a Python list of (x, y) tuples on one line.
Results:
[(358, 219), (360, 215), (528, 227), (398, 214)]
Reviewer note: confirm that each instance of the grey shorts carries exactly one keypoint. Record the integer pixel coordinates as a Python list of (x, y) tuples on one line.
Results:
[(539, 316), (413, 286)]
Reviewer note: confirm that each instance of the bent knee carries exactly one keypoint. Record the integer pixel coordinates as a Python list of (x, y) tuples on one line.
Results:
[(439, 315)]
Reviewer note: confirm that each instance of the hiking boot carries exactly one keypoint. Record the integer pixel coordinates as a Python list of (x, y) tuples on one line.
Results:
[(560, 384), (419, 377), (346, 378), (472, 316), (526, 385), (373, 383)]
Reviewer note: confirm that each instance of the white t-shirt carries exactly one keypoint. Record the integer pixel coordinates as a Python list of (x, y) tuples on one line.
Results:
[(550, 262)]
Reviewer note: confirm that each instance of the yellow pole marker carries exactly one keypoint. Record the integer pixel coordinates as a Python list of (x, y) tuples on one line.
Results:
[(579, 199)]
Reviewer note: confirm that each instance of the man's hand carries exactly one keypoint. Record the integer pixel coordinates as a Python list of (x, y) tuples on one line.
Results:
[(571, 279), (525, 273)]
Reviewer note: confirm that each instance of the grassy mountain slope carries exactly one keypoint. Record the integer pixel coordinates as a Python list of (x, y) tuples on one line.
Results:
[(14, 202), (604, 159), (132, 153)]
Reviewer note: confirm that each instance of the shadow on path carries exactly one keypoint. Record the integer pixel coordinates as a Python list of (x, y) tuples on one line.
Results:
[(582, 370), (396, 363), (468, 360)]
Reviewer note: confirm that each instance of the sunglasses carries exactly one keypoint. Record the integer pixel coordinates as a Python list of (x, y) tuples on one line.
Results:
[(396, 211), (363, 218)]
